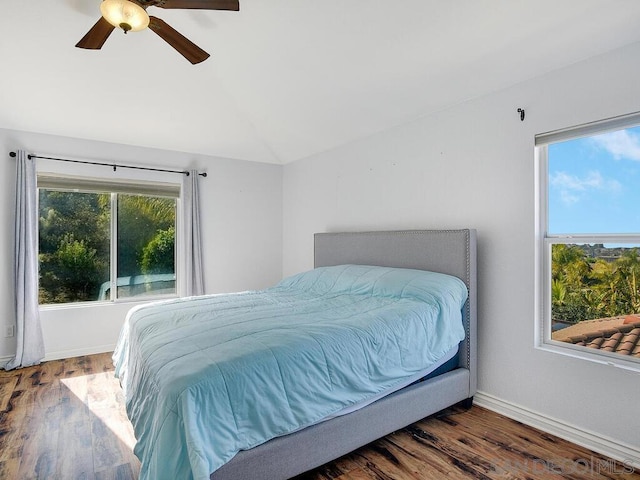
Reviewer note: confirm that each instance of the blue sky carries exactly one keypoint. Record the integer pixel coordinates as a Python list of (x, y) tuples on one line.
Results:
[(594, 184)]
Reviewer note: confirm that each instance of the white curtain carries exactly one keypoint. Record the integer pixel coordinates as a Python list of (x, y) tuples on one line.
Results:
[(194, 277), (29, 341)]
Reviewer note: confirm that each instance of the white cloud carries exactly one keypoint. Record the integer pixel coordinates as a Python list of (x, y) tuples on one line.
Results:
[(568, 198), (573, 188), (620, 144)]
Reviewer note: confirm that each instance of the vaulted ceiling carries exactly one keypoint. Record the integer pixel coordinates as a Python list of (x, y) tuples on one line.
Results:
[(286, 78)]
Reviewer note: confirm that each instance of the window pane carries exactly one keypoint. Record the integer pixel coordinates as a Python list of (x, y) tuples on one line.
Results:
[(595, 294), (146, 245), (593, 184), (73, 246)]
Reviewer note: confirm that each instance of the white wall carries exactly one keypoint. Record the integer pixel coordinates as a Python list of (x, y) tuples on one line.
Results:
[(242, 230), (473, 166)]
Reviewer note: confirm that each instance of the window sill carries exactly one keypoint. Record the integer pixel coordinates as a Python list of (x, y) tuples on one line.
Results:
[(106, 303), (603, 358)]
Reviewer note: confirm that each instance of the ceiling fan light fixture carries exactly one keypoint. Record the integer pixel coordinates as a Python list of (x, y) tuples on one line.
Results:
[(127, 15)]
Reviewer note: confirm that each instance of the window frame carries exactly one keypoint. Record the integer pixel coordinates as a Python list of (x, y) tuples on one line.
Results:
[(81, 184), (544, 241)]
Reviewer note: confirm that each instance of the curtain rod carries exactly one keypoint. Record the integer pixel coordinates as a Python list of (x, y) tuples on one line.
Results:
[(114, 165)]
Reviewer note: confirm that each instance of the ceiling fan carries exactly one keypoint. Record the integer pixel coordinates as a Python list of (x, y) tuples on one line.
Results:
[(131, 15)]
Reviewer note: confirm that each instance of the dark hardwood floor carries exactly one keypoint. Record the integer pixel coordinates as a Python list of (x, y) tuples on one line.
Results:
[(65, 420)]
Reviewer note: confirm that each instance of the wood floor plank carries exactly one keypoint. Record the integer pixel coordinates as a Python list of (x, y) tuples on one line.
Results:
[(40, 430), (76, 435), (40, 426), (356, 474), (119, 472), (111, 431), (407, 449), (7, 386), (66, 420), (10, 444), (75, 451), (25, 392)]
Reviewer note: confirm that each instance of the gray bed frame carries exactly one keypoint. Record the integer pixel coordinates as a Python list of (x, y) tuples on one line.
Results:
[(446, 251)]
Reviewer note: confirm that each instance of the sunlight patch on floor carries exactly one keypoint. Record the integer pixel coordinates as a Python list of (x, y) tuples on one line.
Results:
[(96, 391)]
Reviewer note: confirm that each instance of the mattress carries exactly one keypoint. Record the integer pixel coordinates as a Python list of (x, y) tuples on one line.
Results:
[(206, 377)]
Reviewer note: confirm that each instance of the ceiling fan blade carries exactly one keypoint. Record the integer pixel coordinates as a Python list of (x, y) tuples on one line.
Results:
[(201, 4), (95, 38), (182, 44)]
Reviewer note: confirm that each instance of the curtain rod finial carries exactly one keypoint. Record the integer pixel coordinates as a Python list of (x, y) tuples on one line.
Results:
[(203, 174), (12, 154)]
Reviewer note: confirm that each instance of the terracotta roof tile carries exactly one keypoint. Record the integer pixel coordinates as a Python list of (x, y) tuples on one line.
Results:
[(615, 334), (629, 342), (595, 343)]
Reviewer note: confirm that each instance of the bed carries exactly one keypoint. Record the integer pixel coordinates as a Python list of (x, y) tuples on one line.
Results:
[(318, 428)]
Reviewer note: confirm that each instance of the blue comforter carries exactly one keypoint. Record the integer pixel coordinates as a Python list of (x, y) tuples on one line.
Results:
[(206, 377)]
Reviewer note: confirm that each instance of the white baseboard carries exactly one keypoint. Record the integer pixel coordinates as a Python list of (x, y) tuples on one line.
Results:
[(628, 455), (78, 352)]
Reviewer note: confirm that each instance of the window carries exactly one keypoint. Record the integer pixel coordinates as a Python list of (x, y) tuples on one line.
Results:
[(105, 241), (590, 241)]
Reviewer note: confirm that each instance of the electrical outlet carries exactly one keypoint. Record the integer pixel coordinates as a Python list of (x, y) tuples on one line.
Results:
[(9, 331)]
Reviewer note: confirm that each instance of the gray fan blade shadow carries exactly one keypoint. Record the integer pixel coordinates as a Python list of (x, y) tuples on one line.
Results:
[(202, 19)]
